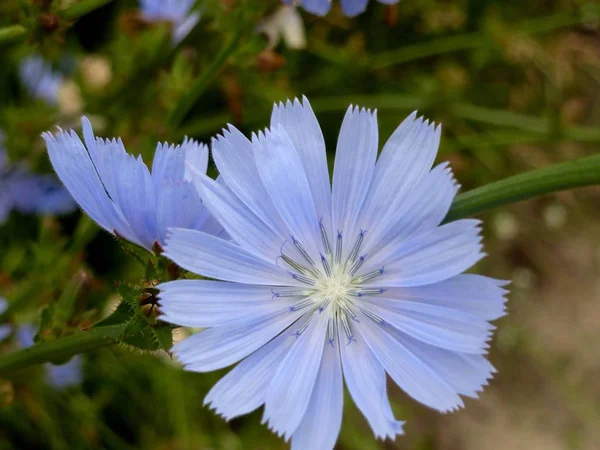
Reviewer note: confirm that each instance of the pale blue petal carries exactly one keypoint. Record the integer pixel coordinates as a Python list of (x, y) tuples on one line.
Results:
[(5, 331), (42, 194), (245, 227), (431, 256), (134, 194), (219, 347), (108, 157), (205, 303), (354, 7), (65, 375), (409, 372), (234, 158), (354, 166), (168, 164), (40, 79), (318, 7), (366, 381), (443, 327), (292, 386), (178, 206), (196, 156), (244, 389), (25, 335), (322, 421), (465, 373), (3, 304), (423, 208), (212, 257), (404, 162), (74, 167), (183, 28), (474, 294), (301, 125), (282, 174)]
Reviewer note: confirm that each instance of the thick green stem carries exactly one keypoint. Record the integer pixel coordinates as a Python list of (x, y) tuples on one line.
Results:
[(82, 8), (61, 349), (12, 33), (554, 178)]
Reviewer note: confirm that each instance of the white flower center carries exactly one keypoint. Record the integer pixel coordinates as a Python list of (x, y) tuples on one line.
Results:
[(334, 282)]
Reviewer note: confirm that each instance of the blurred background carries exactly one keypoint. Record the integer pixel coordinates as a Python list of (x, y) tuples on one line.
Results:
[(516, 86)]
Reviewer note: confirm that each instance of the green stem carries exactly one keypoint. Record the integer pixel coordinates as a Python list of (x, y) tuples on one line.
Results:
[(61, 348), (554, 178), (533, 125), (12, 33), (469, 41), (189, 99), (82, 8)]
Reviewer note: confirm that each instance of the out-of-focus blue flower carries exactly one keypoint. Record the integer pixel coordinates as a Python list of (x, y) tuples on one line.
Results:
[(321, 7), (118, 191), (5, 329), (59, 376), (29, 193), (40, 79), (322, 284), (178, 12)]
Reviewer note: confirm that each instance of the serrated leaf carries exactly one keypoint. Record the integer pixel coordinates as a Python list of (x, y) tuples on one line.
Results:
[(144, 339), (135, 325), (164, 335), (129, 294), (122, 314)]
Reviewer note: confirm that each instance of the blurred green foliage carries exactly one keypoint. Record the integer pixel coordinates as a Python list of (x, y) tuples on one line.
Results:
[(514, 83)]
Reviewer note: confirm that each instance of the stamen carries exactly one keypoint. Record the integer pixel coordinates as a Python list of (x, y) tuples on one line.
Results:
[(338, 248), (304, 326), (326, 265), (290, 293), (357, 245), (302, 251), (324, 304), (299, 267), (324, 238), (349, 312), (369, 276), (302, 305), (302, 279), (347, 328), (330, 331), (359, 262), (363, 292), (374, 317)]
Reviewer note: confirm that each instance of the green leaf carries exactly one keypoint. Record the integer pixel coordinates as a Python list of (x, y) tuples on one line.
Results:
[(121, 315), (129, 294), (164, 335)]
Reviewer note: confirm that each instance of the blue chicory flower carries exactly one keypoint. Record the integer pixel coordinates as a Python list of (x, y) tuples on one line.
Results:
[(321, 7), (29, 193), (59, 376), (118, 191), (322, 285), (40, 79), (178, 12)]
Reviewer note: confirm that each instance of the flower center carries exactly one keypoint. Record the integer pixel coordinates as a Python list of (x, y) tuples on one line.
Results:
[(334, 282)]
